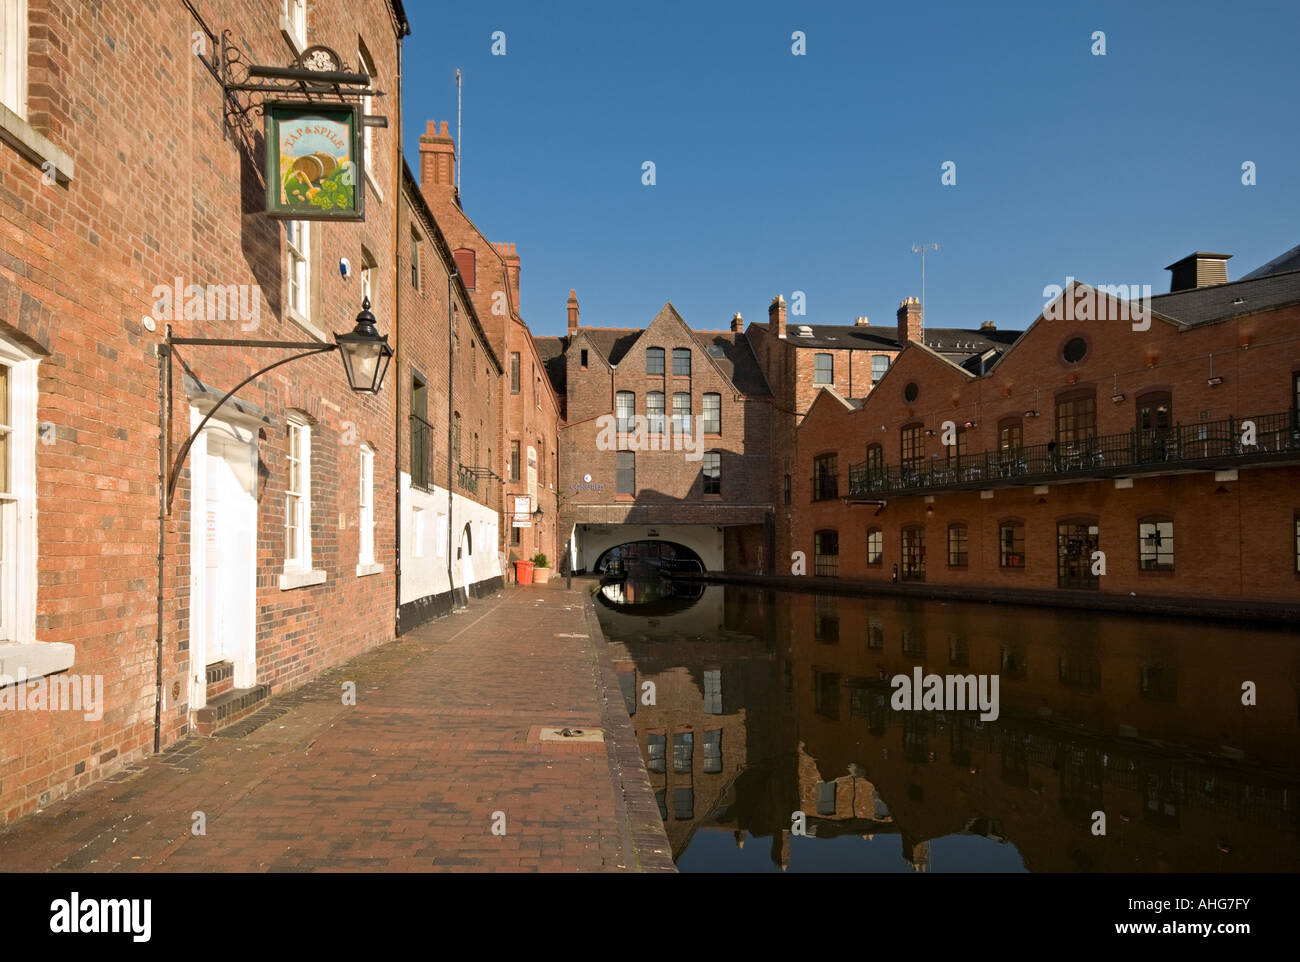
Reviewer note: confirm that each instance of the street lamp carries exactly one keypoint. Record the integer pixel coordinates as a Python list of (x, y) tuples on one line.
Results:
[(365, 353)]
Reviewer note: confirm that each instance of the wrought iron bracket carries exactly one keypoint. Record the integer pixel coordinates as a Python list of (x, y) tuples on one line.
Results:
[(316, 75), (305, 349)]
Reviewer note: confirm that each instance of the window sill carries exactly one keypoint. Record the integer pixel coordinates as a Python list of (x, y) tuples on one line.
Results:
[(304, 323), (624, 497), (374, 184), (22, 137), (301, 578), (711, 497), (34, 659), (372, 568)]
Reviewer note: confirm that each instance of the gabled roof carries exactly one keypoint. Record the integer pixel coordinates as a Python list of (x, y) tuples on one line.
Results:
[(1283, 263), (737, 362), (1235, 299)]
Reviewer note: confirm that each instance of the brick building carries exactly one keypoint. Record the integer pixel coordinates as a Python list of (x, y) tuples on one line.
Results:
[(524, 436), (128, 181), (666, 437), (448, 546), (850, 359), (1095, 454)]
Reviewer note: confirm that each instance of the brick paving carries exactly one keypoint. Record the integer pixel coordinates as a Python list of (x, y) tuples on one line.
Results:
[(407, 780)]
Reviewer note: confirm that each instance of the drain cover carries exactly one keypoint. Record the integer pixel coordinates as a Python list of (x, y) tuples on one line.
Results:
[(572, 735)]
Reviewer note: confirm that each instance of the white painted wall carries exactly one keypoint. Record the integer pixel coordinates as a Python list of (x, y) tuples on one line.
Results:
[(424, 566), (593, 540)]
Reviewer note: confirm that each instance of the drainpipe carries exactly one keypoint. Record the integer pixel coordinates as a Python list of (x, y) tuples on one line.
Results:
[(164, 439), (451, 428), (397, 357)]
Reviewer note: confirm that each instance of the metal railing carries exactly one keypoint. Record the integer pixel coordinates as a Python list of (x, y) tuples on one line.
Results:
[(421, 451), (1104, 455), (467, 479)]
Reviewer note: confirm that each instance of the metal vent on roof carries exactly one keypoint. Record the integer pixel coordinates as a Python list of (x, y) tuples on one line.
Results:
[(805, 331)]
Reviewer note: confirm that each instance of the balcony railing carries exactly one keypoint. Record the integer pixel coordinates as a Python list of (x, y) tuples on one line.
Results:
[(1201, 444), (467, 478), (421, 451)]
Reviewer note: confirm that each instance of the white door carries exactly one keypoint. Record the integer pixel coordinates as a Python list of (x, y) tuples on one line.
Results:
[(230, 552)]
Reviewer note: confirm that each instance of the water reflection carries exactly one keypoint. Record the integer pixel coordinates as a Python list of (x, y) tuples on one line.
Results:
[(771, 702)]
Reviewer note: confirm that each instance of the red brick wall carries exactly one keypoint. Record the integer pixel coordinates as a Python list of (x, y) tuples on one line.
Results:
[(1234, 543), (530, 417), (157, 193), (669, 486)]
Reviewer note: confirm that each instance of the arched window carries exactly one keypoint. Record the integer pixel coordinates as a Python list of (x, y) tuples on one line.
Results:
[(911, 443), (654, 411), (875, 546), (681, 362), (466, 261), (1011, 543), (624, 410), (913, 553), (654, 360)]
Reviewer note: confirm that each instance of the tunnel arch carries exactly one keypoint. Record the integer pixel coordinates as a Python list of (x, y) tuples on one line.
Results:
[(653, 552)]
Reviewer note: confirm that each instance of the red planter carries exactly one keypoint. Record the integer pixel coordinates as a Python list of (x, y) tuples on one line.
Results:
[(524, 572)]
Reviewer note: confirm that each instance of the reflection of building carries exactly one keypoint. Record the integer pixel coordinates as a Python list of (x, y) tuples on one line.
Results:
[(1082, 723), (699, 737), (1093, 455), (1097, 713)]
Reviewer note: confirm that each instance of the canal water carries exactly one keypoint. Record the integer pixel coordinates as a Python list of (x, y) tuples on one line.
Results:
[(1121, 743)]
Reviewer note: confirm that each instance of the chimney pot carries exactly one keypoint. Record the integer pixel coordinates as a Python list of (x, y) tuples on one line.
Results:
[(776, 316), (862, 321), (988, 326), (909, 321), (737, 323)]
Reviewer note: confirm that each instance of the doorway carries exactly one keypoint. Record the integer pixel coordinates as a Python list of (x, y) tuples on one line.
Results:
[(223, 591), (1076, 541)]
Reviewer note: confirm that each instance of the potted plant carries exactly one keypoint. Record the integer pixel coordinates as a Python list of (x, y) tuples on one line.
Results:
[(541, 569)]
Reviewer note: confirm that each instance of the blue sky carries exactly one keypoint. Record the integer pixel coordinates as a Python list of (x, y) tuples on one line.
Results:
[(817, 173)]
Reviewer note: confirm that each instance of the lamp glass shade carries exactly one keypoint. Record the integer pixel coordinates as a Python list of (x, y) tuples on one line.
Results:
[(365, 354)]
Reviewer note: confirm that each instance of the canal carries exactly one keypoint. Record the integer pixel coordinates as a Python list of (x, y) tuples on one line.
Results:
[(753, 705)]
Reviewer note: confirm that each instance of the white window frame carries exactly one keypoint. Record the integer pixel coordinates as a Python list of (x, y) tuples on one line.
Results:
[(13, 56), (293, 22), (366, 564), (367, 67), (21, 655), (298, 570)]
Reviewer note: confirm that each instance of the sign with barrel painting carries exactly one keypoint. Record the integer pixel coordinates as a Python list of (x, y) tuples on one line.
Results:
[(314, 162)]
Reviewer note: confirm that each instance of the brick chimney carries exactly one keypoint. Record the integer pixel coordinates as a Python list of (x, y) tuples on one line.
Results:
[(862, 322), (437, 161), (508, 252), (1201, 269), (988, 326), (573, 311), (776, 316), (909, 320), (737, 323)]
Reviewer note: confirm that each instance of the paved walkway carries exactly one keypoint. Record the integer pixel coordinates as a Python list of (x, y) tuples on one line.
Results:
[(407, 780)]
